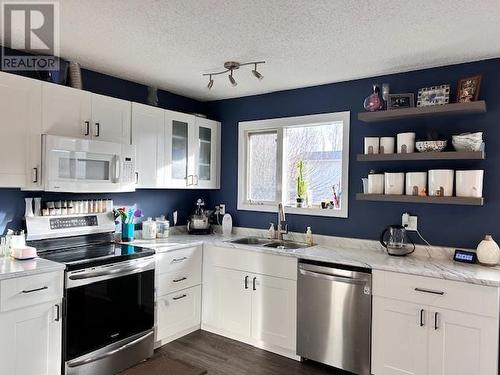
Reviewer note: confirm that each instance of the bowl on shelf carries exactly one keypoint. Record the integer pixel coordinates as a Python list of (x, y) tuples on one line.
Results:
[(431, 146), (467, 141)]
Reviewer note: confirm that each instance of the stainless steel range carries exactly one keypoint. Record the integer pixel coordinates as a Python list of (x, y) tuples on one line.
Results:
[(108, 313)]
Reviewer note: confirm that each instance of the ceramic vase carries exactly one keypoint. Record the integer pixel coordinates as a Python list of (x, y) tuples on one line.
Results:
[(488, 252), (374, 101)]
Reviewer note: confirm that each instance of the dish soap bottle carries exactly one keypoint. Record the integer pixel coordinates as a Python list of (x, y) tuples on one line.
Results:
[(309, 236), (271, 233)]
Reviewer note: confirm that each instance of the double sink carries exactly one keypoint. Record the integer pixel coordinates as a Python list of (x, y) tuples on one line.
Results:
[(276, 244)]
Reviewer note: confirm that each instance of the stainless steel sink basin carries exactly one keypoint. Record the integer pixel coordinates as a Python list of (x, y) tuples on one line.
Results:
[(256, 241), (287, 245), (251, 241)]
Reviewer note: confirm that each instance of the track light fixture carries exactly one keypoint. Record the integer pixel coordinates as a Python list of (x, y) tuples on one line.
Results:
[(231, 66)]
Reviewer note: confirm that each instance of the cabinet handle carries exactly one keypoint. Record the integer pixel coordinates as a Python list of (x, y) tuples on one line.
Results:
[(35, 290), (253, 283), (58, 313), (197, 180), (136, 178), (188, 178), (422, 290), (422, 317), (246, 282), (87, 128), (179, 280), (436, 321), (97, 129), (177, 260), (180, 297), (35, 175)]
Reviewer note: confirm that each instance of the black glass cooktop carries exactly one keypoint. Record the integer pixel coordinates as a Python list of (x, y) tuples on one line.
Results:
[(95, 255)]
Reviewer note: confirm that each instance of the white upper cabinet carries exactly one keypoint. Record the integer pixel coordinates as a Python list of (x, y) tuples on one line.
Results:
[(148, 134), (66, 111), (179, 150), (110, 119), (76, 113), (20, 151), (206, 153)]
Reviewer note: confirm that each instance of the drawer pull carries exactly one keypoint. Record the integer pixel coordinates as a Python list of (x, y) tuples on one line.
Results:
[(177, 260), (179, 297), (436, 321), (179, 280), (35, 290), (422, 290)]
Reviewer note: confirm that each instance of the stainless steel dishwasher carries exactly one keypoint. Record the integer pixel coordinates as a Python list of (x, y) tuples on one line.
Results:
[(334, 308)]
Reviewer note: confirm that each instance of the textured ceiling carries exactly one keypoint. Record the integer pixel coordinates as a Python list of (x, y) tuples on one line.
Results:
[(171, 43)]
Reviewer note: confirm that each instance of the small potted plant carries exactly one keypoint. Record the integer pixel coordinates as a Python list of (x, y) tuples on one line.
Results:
[(301, 184)]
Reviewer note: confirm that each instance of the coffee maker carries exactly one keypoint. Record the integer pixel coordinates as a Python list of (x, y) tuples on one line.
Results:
[(397, 242)]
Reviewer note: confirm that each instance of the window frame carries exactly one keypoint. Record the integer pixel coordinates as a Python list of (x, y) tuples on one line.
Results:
[(278, 125)]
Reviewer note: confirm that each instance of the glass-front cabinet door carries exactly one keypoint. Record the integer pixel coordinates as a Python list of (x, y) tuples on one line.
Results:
[(206, 146), (179, 156)]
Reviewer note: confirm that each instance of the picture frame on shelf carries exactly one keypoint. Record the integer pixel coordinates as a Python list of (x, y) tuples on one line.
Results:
[(434, 95), (397, 101), (468, 89)]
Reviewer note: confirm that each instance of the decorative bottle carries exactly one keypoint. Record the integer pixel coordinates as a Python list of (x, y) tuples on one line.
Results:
[(488, 252), (374, 101)]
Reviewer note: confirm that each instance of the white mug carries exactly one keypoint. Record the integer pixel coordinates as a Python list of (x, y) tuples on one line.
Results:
[(406, 143), (394, 183), (416, 183), (372, 145), (469, 183), (441, 182), (387, 145), (375, 184)]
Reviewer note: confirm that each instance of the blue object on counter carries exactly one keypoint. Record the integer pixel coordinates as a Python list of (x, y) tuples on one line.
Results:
[(128, 232)]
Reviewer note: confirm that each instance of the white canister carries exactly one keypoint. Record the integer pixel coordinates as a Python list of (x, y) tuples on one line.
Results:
[(394, 183), (416, 183), (469, 183), (375, 184), (406, 143), (488, 252), (149, 229), (441, 182), (372, 145), (386, 145)]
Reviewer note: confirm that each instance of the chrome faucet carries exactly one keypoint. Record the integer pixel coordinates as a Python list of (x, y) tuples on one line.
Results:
[(282, 225)]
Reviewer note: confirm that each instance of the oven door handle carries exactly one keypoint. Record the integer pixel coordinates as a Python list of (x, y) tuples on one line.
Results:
[(110, 353), (115, 272)]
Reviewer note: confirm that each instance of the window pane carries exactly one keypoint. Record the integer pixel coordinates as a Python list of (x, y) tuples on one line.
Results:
[(320, 148), (262, 158)]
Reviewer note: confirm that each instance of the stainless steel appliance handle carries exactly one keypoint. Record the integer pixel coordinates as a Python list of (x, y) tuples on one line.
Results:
[(117, 167), (423, 290), (110, 353), (34, 290), (111, 272), (342, 279)]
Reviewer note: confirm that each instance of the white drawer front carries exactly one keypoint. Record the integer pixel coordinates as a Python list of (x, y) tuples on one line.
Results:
[(178, 259), (252, 261), (178, 311), (30, 290), (453, 295), (179, 279)]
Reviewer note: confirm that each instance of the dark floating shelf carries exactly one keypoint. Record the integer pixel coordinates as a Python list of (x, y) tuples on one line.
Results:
[(418, 199), (451, 155), (416, 112)]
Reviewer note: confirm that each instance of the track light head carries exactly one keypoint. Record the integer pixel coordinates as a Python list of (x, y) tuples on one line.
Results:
[(256, 73), (232, 80), (210, 82)]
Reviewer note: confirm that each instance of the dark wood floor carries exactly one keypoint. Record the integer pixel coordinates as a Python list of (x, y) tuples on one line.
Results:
[(221, 356)]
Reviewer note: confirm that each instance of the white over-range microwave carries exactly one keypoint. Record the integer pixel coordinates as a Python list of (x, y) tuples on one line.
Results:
[(87, 166)]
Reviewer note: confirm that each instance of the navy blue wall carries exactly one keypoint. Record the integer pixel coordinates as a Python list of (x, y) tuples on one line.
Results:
[(459, 226), (153, 202)]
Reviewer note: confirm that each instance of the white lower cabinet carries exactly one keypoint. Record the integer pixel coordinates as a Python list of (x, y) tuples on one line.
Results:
[(249, 306), (414, 333)]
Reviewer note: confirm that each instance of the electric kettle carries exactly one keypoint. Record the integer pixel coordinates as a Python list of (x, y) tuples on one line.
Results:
[(397, 242)]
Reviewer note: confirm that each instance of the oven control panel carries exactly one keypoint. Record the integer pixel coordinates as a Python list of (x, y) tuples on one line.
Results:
[(73, 222)]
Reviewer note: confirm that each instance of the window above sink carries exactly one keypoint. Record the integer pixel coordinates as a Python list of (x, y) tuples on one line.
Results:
[(269, 153)]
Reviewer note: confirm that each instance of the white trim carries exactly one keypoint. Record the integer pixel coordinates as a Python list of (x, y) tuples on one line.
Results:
[(287, 122)]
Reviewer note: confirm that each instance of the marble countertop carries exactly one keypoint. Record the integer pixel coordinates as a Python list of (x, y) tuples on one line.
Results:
[(10, 267), (362, 253)]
